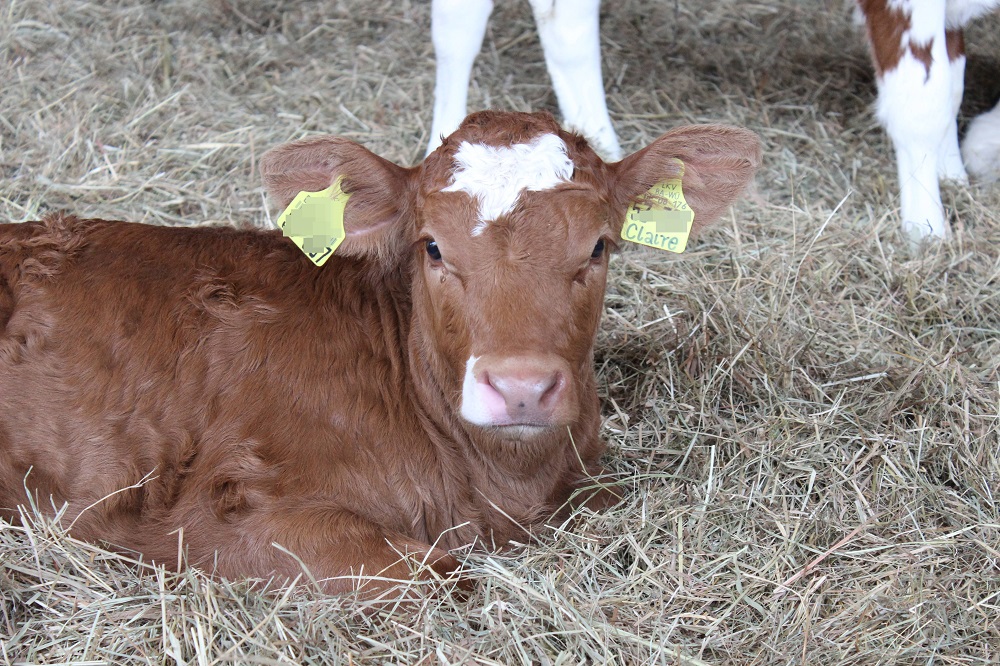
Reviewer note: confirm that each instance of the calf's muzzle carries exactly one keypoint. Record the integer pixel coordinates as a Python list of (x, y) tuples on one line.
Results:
[(532, 390)]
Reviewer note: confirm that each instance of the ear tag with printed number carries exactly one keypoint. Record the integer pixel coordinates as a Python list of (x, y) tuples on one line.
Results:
[(315, 221), (660, 218)]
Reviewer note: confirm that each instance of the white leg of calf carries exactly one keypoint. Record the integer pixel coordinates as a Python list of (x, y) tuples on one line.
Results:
[(981, 147), (950, 166), (570, 34), (915, 106), (457, 30)]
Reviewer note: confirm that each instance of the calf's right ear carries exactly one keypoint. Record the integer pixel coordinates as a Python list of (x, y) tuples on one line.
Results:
[(718, 163), (381, 195)]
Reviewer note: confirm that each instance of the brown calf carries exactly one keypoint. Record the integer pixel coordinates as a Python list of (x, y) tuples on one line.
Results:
[(429, 387)]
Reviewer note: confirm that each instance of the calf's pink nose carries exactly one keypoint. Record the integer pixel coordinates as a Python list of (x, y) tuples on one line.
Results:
[(531, 396)]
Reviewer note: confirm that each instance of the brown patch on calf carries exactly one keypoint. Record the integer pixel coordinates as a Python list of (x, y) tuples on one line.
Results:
[(922, 52), (886, 26), (955, 41)]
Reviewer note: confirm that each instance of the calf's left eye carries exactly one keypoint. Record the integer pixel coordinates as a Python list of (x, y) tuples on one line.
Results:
[(598, 250)]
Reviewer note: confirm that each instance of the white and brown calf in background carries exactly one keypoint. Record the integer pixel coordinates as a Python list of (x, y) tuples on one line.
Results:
[(917, 48), (919, 53)]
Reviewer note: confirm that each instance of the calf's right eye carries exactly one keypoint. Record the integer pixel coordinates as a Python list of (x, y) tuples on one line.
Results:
[(432, 250)]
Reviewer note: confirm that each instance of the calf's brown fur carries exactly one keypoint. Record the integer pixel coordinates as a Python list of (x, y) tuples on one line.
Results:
[(213, 383)]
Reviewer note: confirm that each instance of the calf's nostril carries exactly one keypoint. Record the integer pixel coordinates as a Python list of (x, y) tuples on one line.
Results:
[(552, 389)]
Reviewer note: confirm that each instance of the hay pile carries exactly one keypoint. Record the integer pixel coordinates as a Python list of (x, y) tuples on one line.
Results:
[(806, 413)]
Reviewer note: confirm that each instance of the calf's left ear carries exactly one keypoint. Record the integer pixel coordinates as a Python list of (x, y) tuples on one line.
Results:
[(380, 192), (718, 163)]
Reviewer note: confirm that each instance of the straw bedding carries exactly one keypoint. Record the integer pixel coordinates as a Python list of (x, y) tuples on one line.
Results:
[(804, 411)]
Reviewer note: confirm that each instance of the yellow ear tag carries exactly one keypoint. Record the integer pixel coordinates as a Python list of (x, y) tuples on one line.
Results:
[(660, 218), (315, 221)]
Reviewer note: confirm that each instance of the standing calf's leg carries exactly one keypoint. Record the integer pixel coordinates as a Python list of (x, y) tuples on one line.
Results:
[(457, 30), (981, 147), (916, 104), (950, 166), (570, 36), (571, 40)]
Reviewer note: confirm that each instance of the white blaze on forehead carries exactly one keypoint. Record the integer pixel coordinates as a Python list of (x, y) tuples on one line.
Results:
[(496, 175)]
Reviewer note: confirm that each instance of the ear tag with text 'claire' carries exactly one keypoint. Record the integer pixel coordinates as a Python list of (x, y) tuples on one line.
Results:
[(660, 218), (315, 221)]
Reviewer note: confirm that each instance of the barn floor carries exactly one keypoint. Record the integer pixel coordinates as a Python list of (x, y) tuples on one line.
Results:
[(805, 411)]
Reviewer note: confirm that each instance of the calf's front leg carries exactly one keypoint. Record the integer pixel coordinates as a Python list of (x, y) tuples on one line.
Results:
[(341, 550)]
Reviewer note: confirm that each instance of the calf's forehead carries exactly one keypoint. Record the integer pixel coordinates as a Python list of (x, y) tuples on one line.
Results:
[(497, 176), (521, 183)]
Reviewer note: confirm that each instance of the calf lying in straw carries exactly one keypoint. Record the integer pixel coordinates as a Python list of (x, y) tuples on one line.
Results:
[(428, 386)]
